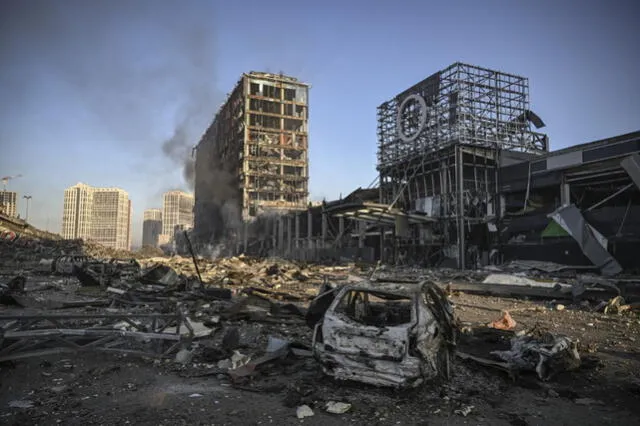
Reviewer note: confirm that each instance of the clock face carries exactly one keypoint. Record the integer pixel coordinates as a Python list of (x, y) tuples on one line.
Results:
[(412, 116)]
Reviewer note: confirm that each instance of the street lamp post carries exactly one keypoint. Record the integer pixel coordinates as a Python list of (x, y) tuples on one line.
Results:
[(28, 198)]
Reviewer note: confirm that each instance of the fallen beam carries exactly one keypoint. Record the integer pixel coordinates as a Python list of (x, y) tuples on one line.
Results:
[(525, 291)]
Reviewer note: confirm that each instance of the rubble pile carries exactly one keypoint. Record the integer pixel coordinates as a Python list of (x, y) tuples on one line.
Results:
[(277, 278), (278, 327)]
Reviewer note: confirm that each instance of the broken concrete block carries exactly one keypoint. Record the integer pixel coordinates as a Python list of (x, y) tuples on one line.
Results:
[(224, 364), (238, 360), (275, 344), (29, 404), (183, 356), (337, 407), (464, 411), (304, 411)]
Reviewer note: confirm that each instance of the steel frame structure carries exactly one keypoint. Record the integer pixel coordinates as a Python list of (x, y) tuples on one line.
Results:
[(441, 139), (25, 336)]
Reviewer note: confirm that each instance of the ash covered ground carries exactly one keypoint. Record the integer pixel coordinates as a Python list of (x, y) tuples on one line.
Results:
[(223, 372)]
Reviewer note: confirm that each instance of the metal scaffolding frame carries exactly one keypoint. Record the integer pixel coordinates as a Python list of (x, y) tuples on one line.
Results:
[(439, 145), (25, 336)]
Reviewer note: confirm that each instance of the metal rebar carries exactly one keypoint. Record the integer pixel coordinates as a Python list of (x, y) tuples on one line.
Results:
[(193, 256), (618, 192)]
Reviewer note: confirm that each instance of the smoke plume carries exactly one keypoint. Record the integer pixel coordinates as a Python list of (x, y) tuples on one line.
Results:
[(143, 72)]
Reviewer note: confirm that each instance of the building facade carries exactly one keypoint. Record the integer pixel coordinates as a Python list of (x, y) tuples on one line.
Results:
[(253, 158), (9, 203), (151, 227), (76, 217), (441, 143), (99, 214), (177, 210)]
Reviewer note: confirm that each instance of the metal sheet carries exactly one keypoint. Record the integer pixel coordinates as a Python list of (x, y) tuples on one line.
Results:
[(631, 165), (564, 160), (572, 221)]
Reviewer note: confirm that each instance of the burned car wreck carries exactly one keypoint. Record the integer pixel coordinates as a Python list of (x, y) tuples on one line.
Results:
[(384, 334)]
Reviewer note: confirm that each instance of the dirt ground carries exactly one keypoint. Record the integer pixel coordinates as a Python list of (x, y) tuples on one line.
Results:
[(98, 389)]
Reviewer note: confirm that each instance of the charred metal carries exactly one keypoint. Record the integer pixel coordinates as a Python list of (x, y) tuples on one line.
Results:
[(386, 334)]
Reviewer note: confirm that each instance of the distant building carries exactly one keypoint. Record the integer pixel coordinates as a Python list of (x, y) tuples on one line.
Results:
[(151, 227), (177, 209), (254, 156), (99, 214), (9, 203), (76, 217)]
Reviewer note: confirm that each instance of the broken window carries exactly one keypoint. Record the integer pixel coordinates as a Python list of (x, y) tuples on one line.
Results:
[(292, 170), (289, 94), (292, 154), (269, 91), (254, 89), (292, 124), (261, 105), (264, 121), (376, 309), (288, 109)]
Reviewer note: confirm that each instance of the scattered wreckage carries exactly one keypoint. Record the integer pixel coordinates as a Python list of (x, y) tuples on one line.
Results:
[(536, 351), (377, 331), (396, 335)]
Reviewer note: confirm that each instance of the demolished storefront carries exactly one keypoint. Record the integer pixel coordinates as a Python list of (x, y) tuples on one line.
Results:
[(578, 206)]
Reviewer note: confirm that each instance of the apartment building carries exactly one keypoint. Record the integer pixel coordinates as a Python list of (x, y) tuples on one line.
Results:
[(151, 227), (76, 217), (99, 214), (9, 203), (177, 210), (253, 158)]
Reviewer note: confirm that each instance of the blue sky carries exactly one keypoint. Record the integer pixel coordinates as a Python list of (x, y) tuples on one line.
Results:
[(91, 90)]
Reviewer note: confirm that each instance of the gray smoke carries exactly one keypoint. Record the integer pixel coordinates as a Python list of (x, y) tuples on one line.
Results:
[(130, 64)]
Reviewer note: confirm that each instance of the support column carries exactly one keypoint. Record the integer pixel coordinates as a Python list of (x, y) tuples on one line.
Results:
[(280, 235), (297, 237), (324, 230), (309, 229), (565, 194), (244, 236), (289, 234), (340, 230), (274, 226), (459, 166), (382, 258)]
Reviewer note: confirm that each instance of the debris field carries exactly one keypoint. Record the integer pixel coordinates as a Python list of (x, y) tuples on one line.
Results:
[(94, 337)]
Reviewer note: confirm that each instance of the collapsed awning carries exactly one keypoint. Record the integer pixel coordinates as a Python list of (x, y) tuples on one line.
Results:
[(592, 243)]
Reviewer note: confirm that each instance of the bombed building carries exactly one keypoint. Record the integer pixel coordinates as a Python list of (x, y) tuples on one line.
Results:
[(466, 179), (253, 159)]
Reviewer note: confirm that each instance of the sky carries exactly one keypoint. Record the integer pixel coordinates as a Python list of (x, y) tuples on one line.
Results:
[(115, 93)]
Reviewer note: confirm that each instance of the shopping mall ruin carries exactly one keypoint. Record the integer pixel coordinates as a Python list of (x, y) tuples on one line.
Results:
[(440, 145), (466, 179)]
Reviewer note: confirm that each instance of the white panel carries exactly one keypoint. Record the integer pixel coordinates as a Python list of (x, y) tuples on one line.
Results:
[(564, 160)]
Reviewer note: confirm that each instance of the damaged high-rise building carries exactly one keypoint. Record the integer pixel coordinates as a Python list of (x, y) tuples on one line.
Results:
[(466, 180), (253, 159)]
